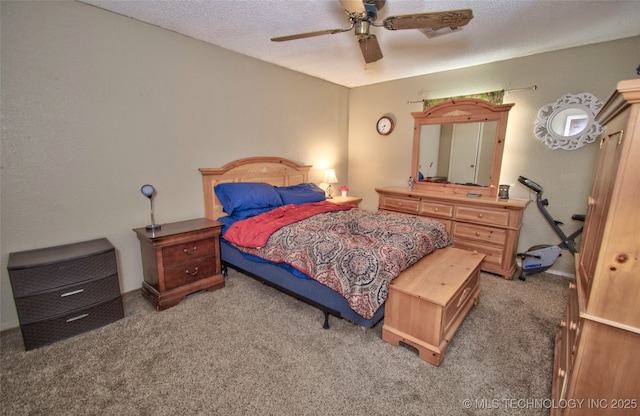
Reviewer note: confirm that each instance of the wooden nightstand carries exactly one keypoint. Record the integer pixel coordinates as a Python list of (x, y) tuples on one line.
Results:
[(346, 200), (179, 259)]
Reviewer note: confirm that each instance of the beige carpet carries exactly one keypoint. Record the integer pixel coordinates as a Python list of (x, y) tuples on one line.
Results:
[(250, 350)]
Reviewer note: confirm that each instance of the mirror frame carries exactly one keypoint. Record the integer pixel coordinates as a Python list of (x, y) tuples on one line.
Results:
[(587, 103), (462, 111)]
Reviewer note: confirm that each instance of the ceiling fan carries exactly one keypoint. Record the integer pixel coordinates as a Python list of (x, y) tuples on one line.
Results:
[(363, 14)]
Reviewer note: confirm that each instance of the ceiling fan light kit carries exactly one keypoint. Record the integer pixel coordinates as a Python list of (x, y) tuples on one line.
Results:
[(363, 13)]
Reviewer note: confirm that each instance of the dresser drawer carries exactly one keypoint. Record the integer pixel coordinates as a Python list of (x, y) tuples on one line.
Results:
[(189, 272), (493, 255), (46, 332), (462, 297), (482, 216), (36, 279), (186, 252), (436, 210), (67, 298), (401, 204), (479, 233)]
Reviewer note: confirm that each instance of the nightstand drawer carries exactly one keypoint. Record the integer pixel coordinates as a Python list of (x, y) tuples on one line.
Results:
[(186, 252), (67, 298), (189, 272)]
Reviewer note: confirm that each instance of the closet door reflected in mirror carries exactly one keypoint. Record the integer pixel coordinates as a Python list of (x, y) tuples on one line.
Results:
[(458, 153)]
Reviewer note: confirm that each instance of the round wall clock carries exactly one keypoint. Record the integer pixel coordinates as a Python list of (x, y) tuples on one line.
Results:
[(384, 126)]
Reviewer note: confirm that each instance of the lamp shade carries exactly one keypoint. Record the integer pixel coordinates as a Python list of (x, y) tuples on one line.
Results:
[(330, 176)]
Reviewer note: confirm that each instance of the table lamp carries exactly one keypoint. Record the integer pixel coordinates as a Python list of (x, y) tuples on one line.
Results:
[(330, 178), (149, 191)]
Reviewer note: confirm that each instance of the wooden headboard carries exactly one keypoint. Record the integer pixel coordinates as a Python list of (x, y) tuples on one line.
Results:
[(276, 171)]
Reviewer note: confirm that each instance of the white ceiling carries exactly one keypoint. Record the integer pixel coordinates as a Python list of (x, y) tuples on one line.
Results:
[(500, 29)]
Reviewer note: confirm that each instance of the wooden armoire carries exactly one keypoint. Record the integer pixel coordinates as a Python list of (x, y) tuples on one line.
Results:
[(597, 355)]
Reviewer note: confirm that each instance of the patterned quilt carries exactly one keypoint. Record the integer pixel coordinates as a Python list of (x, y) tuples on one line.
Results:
[(355, 252)]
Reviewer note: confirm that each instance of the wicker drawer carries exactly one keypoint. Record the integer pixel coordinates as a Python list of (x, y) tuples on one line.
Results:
[(410, 206), (40, 278), (482, 216), (189, 272), (433, 209), (76, 322), (187, 252), (66, 299), (479, 233)]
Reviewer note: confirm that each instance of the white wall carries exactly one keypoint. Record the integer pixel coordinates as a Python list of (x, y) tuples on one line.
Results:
[(95, 104), (379, 161)]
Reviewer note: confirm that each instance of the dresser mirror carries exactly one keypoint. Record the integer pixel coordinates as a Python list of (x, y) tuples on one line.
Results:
[(458, 146)]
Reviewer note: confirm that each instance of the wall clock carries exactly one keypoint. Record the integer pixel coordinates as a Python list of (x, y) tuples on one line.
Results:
[(384, 126)]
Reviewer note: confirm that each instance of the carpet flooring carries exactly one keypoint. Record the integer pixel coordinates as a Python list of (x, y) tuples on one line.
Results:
[(248, 349)]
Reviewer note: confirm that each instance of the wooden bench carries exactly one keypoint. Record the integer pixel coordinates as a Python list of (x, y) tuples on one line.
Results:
[(429, 300)]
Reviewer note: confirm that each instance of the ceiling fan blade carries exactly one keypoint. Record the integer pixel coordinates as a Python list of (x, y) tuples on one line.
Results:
[(370, 49), (353, 6), (310, 34), (451, 18)]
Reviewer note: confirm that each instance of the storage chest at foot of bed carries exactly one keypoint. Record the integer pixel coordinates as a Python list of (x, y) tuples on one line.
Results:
[(428, 301)]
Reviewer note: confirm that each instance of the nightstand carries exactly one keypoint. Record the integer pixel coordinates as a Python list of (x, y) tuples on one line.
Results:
[(179, 259), (346, 200)]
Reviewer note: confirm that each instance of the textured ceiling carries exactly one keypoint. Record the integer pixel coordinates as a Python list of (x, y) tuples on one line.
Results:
[(500, 29)]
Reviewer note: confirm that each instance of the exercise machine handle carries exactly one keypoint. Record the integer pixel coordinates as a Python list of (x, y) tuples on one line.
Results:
[(530, 184)]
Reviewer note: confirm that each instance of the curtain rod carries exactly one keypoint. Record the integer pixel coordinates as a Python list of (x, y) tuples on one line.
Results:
[(533, 87)]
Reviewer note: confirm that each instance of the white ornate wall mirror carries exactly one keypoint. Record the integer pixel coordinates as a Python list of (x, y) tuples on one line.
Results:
[(569, 123)]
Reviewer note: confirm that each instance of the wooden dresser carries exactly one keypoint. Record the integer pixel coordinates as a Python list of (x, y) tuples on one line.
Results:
[(596, 356), (65, 290), (487, 225), (179, 259)]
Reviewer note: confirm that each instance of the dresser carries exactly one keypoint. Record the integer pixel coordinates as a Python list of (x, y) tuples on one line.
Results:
[(487, 225), (65, 290), (179, 259), (597, 346)]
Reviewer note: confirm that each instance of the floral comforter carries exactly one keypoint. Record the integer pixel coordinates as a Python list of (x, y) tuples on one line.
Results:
[(354, 252)]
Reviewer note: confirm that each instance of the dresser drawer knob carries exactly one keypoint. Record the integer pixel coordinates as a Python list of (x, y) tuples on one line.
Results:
[(561, 372), (436, 210), (480, 215), (75, 292), (75, 318), (195, 272), (191, 252)]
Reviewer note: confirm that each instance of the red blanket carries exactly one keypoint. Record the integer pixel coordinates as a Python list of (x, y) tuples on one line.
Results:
[(255, 231)]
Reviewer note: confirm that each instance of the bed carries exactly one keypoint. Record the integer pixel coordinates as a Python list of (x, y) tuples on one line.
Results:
[(239, 194)]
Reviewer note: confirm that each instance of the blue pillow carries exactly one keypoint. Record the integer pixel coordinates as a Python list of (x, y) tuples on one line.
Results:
[(240, 196), (300, 194)]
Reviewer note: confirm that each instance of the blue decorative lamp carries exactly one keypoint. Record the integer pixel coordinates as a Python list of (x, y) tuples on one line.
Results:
[(149, 191)]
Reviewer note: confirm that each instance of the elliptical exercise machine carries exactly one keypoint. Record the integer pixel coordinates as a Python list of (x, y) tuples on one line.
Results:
[(540, 257)]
